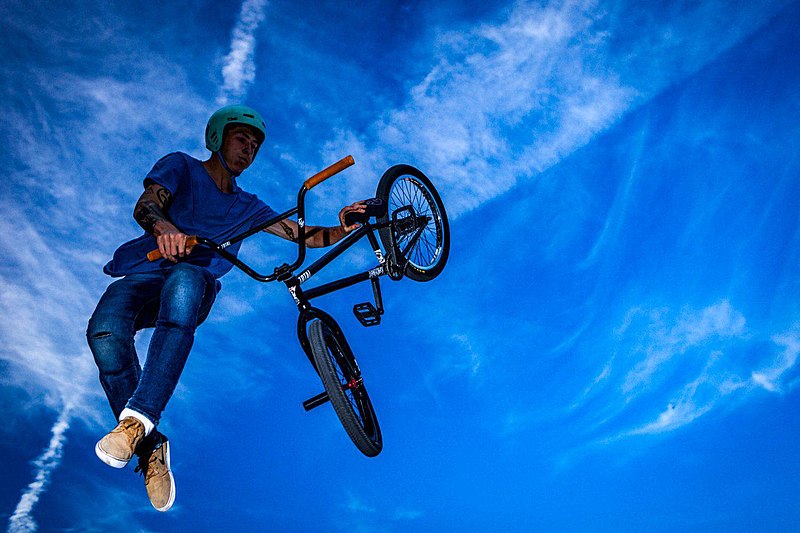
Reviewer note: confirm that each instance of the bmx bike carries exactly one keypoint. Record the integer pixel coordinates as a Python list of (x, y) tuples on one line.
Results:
[(407, 228)]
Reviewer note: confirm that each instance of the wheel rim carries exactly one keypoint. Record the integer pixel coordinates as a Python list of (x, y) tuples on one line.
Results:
[(428, 249)]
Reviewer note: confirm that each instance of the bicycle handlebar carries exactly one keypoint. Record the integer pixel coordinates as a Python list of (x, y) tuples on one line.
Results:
[(153, 255), (310, 183), (322, 175)]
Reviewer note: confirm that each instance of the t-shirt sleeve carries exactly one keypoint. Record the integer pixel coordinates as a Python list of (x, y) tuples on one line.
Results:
[(169, 172), (262, 214)]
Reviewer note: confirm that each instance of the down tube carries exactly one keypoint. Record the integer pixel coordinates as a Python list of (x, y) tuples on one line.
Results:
[(343, 283), (335, 252)]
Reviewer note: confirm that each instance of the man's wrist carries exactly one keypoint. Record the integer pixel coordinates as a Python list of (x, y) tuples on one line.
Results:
[(160, 227), (152, 218)]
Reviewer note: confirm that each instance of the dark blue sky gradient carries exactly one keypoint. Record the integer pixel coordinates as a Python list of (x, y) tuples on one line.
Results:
[(612, 346)]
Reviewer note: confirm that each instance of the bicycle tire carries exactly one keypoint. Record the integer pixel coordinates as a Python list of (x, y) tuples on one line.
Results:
[(345, 387), (404, 185)]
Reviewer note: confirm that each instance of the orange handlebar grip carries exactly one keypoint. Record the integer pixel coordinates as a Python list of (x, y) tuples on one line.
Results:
[(154, 255), (322, 175)]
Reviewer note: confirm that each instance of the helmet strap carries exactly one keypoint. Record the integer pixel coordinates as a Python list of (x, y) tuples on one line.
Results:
[(225, 165)]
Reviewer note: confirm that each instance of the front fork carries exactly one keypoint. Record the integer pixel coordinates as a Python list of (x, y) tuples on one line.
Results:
[(366, 313), (354, 380)]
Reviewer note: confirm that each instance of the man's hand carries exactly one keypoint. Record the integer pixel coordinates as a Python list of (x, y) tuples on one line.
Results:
[(358, 207), (318, 236), (172, 245)]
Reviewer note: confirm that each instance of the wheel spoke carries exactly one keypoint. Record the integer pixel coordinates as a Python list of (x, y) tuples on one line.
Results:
[(415, 215), (408, 191), (347, 381)]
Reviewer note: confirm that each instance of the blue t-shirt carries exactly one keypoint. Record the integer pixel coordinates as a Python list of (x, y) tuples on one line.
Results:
[(198, 208)]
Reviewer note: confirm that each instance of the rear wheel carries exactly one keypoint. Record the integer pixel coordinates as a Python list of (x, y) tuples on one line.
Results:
[(415, 207), (342, 379)]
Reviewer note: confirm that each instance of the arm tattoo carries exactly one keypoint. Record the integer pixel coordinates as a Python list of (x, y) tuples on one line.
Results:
[(164, 197), (288, 231), (326, 235), (148, 214), (149, 210)]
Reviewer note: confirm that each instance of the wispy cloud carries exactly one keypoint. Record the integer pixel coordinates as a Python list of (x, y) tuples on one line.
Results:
[(769, 377), (43, 344), (614, 223), (355, 504), (239, 69), (675, 416), (663, 342), (503, 101), (731, 369), (602, 377), (509, 98), (369, 518), (22, 520), (471, 358), (689, 405), (452, 361), (408, 514)]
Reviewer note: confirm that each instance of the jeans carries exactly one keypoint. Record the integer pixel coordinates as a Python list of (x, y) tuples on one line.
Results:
[(175, 301)]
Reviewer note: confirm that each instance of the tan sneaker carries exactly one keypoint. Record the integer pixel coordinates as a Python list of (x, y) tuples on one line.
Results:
[(116, 448), (158, 479)]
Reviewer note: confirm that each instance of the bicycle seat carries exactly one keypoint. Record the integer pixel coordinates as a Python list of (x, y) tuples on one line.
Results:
[(375, 208)]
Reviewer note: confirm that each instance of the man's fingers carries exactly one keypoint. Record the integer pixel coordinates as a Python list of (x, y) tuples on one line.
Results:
[(166, 248), (171, 248), (180, 244), (172, 245), (355, 207)]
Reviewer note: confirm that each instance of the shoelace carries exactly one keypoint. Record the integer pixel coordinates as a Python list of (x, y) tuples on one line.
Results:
[(152, 457), (128, 424)]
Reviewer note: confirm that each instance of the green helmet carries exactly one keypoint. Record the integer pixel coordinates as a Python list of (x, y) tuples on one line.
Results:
[(233, 114)]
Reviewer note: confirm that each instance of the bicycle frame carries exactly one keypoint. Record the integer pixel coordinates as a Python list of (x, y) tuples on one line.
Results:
[(320, 336), (388, 264), (285, 272)]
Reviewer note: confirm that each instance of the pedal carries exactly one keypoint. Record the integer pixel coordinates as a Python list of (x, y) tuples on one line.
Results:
[(367, 314), (316, 401)]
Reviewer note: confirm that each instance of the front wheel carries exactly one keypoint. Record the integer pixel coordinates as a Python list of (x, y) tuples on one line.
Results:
[(418, 238), (342, 379)]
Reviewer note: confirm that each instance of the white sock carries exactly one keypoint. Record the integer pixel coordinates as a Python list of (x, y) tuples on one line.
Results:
[(148, 424)]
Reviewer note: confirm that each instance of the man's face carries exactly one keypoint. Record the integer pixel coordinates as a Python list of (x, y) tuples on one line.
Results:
[(239, 147)]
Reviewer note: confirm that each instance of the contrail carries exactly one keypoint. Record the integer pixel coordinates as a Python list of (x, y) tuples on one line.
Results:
[(22, 521), (239, 70)]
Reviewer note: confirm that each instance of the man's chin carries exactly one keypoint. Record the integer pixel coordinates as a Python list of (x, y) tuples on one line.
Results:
[(239, 168)]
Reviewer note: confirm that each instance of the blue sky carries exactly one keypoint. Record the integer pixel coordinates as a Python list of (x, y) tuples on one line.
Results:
[(612, 346)]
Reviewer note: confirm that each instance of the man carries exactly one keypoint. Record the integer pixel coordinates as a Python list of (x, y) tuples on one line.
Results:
[(183, 196)]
